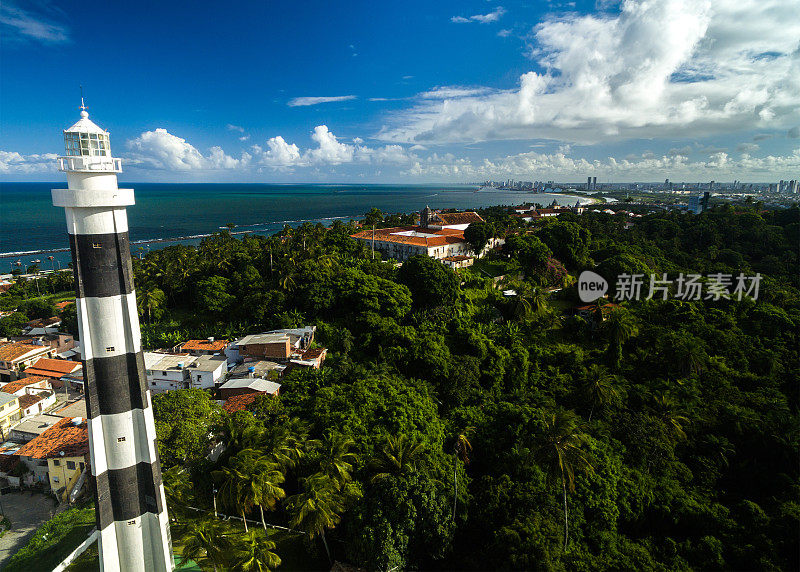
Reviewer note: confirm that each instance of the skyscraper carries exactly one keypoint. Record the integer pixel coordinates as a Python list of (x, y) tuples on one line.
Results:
[(130, 506)]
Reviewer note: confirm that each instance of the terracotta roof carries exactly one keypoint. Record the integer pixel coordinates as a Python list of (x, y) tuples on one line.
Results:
[(14, 386), (43, 322), (64, 304), (52, 367), (215, 346), (313, 353), (240, 402), (459, 218), (16, 350), (63, 436), (433, 238), (29, 399), (457, 258)]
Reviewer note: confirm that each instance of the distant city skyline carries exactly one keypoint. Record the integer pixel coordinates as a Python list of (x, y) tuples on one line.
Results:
[(454, 92)]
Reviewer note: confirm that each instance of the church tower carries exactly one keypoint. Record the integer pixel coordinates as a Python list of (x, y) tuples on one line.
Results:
[(130, 506)]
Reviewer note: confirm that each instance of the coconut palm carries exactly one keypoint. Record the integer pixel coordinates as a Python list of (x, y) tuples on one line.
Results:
[(255, 553), (177, 489), (205, 540), (318, 508), (461, 449), (150, 298), (599, 387), (621, 326), (397, 454), (560, 449), (262, 479), (670, 414), (235, 490), (337, 459)]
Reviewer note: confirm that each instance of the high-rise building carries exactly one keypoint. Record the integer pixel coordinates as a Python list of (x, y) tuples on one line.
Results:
[(594, 183), (131, 511), (588, 183), (794, 186)]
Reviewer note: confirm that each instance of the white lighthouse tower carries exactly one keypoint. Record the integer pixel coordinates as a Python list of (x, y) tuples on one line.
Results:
[(130, 505)]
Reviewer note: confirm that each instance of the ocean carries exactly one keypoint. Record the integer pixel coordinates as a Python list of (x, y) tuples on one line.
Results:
[(184, 213)]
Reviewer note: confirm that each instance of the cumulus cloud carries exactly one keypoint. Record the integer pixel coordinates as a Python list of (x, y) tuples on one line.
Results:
[(492, 16), (654, 68), (17, 163), (306, 101), (24, 25), (160, 149)]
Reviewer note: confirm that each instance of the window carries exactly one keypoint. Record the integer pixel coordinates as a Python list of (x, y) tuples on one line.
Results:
[(55, 479), (87, 144), (56, 462), (71, 465)]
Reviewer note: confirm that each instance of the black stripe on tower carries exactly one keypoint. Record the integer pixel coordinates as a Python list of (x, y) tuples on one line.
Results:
[(102, 264), (115, 384), (136, 492)]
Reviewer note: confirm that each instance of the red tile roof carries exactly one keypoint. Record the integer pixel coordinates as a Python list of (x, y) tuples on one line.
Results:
[(16, 350), (52, 367), (29, 399), (14, 386), (458, 218), (63, 436), (240, 402), (195, 345), (64, 304), (438, 238)]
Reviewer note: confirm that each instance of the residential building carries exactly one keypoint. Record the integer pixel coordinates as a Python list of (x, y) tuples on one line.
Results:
[(31, 428), (9, 412), (207, 371), (460, 261), (167, 372), (258, 368), (16, 356), (58, 455), (59, 341), (32, 404), (53, 368), (205, 347), (247, 385), (22, 386)]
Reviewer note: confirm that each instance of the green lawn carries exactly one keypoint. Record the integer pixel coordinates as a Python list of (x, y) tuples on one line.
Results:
[(54, 541)]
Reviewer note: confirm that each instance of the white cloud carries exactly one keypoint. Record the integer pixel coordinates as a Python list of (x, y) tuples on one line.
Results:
[(17, 163), (558, 166), (492, 16), (160, 149), (504, 33), (305, 101), (330, 151), (232, 127), (453, 92), (657, 68), (18, 24), (279, 154)]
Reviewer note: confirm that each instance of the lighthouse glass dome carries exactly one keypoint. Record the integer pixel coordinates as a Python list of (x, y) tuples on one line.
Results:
[(86, 144)]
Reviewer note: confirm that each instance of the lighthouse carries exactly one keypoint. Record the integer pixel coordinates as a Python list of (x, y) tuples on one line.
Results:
[(130, 506)]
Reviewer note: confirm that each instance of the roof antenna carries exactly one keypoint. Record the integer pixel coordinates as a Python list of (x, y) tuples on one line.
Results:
[(83, 106)]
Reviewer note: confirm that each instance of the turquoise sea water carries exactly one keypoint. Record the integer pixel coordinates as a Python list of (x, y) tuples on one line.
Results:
[(29, 222)]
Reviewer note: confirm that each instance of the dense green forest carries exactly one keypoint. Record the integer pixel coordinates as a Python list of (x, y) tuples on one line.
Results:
[(456, 428)]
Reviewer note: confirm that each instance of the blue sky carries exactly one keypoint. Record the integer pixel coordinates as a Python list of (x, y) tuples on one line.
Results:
[(408, 92)]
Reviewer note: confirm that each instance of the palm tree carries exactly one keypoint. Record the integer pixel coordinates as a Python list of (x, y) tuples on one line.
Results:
[(177, 489), (256, 553), (621, 326), (461, 449), (204, 541), (318, 508), (150, 298), (560, 449), (235, 491), (262, 479), (338, 461), (670, 414), (397, 455), (598, 387)]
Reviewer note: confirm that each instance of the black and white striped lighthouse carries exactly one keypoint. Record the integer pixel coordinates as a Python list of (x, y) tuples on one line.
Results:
[(130, 503)]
